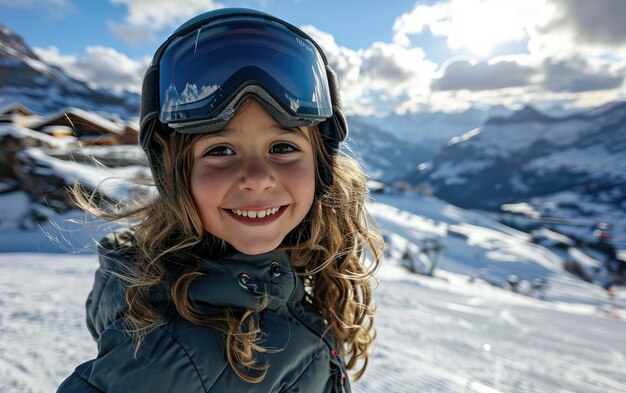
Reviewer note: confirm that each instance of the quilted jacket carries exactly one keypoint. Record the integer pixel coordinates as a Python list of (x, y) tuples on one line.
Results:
[(179, 356)]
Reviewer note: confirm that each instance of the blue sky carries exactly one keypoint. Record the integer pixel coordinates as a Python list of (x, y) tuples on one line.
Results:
[(391, 56), (82, 23)]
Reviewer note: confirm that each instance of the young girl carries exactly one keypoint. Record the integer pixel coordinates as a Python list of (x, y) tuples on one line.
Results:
[(245, 272)]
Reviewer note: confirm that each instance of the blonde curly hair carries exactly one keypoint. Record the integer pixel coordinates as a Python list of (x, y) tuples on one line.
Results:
[(328, 249)]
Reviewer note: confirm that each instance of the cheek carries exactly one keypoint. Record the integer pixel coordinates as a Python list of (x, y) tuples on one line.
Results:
[(206, 189), (301, 181)]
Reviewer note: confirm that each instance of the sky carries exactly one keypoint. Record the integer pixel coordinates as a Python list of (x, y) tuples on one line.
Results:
[(390, 56)]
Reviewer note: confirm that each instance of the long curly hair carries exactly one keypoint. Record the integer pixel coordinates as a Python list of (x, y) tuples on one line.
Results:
[(329, 249)]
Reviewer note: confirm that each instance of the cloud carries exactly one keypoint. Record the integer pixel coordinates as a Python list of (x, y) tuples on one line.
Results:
[(476, 25), (434, 17), (99, 67), (345, 62), (571, 75), (575, 50), (54, 8), (467, 75), (599, 22), (391, 63), (575, 28), (577, 75), (396, 76), (379, 79), (35, 3), (145, 18)]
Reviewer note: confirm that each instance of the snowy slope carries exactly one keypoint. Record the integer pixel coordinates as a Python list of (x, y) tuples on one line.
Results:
[(448, 333)]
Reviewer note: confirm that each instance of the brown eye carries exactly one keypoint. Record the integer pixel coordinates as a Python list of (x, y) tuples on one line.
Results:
[(282, 148), (220, 151)]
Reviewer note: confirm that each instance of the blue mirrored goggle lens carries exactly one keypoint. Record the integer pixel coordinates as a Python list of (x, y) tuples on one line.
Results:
[(201, 72)]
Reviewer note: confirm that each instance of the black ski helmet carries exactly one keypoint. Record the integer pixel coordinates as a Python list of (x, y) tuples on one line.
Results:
[(201, 114)]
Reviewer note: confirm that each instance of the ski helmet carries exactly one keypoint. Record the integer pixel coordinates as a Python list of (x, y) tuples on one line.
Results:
[(202, 73)]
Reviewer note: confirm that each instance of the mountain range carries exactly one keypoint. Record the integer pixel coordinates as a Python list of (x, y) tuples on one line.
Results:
[(44, 88), (476, 158), (530, 154)]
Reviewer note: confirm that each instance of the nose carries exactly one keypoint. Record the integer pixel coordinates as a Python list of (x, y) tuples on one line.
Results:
[(256, 176)]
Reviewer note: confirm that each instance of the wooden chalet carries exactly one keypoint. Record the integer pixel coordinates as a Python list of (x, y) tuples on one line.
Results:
[(18, 114), (89, 128)]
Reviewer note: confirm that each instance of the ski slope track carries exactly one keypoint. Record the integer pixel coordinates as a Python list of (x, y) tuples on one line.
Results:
[(453, 332)]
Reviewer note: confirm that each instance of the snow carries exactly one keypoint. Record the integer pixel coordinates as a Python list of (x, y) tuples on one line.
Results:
[(464, 137), (12, 107), (573, 214), (433, 335), (452, 172), (505, 139), (522, 208), (72, 232), (19, 132), (42, 328), (127, 152), (87, 115), (37, 65), (453, 332), (114, 182), (594, 159), (552, 237)]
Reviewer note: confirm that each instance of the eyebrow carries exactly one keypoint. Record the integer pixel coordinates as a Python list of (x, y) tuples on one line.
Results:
[(291, 130), (221, 132), (283, 130)]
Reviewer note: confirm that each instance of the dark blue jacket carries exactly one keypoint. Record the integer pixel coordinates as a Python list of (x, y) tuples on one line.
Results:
[(179, 356)]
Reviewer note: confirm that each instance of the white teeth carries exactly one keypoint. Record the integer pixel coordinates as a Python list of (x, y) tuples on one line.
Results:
[(254, 213)]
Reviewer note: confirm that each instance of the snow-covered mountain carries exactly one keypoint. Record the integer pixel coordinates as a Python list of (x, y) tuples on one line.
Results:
[(431, 129), (43, 88), (530, 154), (385, 156)]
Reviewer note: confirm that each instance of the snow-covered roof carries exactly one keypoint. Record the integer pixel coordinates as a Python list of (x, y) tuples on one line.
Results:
[(15, 106), (91, 117), (19, 132), (133, 125)]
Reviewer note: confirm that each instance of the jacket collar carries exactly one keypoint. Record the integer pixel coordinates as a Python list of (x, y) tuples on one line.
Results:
[(242, 280)]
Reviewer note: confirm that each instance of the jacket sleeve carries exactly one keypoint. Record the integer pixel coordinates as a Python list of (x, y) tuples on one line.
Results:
[(106, 302), (75, 383)]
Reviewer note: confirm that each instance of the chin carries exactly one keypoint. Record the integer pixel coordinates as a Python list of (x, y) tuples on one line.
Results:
[(257, 248)]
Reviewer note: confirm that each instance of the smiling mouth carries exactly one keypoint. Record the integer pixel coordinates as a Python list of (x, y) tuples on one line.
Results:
[(256, 213)]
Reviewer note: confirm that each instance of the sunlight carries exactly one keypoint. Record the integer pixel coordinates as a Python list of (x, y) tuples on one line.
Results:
[(480, 25)]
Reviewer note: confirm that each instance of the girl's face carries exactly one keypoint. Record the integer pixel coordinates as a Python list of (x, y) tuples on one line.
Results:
[(254, 181)]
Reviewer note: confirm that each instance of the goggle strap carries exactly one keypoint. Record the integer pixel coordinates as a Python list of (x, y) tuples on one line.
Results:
[(150, 92)]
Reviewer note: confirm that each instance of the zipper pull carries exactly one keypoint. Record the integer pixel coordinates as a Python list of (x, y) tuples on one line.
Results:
[(333, 354)]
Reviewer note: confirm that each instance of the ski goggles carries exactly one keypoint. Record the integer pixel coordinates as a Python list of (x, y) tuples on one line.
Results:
[(206, 71)]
